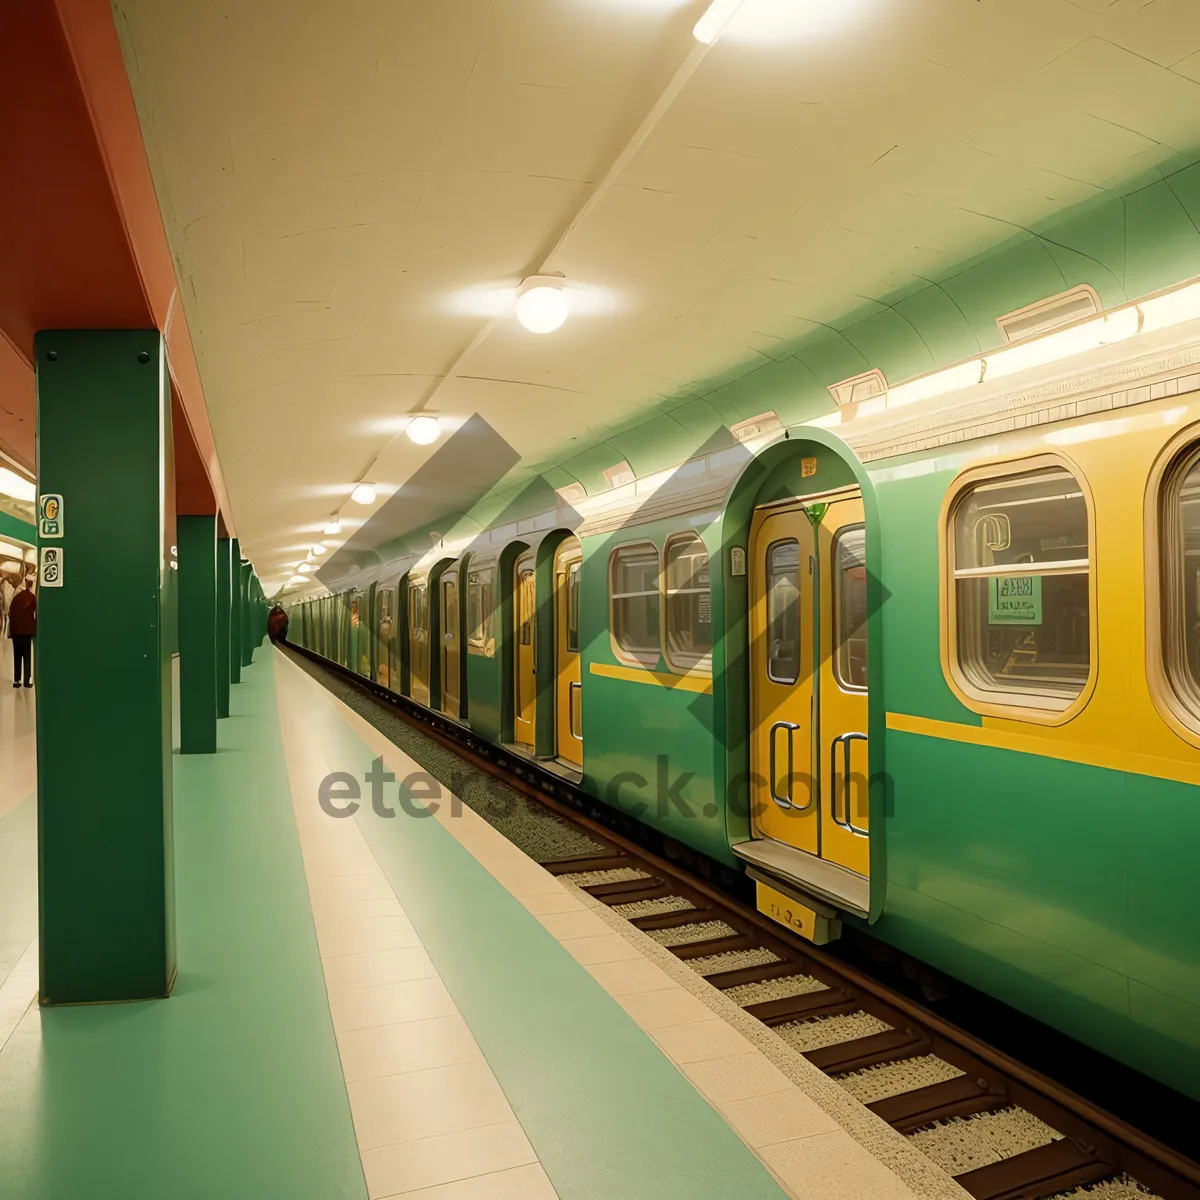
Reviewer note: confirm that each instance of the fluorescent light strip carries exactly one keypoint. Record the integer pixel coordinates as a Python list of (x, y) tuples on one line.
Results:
[(1147, 316), (718, 14)]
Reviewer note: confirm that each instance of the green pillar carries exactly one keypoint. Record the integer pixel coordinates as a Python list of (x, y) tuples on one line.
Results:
[(247, 640), (224, 599), (197, 634), (235, 611), (105, 857)]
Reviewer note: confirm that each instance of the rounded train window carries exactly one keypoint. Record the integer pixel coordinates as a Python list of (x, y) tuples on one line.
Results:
[(1179, 583), (1019, 614)]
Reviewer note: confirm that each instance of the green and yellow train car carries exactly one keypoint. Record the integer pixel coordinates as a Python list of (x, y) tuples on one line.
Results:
[(934, 671)]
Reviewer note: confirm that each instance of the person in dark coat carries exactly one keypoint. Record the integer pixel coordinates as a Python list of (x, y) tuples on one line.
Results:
[(277, 624), (22, 628)]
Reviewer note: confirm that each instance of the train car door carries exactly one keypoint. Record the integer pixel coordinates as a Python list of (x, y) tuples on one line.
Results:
[(568, 686), (809, 686), (385, 633), (781, 693), (451, 644), (418, 644), (525, 650)]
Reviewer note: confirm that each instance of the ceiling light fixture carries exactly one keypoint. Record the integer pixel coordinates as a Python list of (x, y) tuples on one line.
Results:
[(423, 431), (542, 303), (318, 549), (297, 579), (304, 568), (332, 529), (16, 486), (718, 14), (363, 493)]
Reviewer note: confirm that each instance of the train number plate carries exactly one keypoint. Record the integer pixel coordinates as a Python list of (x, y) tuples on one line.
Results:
[(787, 912)]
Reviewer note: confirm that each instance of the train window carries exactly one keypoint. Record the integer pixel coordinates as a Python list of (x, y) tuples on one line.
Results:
[(1179, 583), (1021, 552), (573, 575), (689, 603), (783, 611), (481, 608), (850, 608), (633, 589), (386, 633)]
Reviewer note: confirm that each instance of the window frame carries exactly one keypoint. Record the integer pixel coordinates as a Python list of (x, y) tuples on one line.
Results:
[(1182, 720), (1014, 706), (836, 593), (645, 658), (696, 664)]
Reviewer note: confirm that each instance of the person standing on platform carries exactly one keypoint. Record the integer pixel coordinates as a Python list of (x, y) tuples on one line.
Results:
[(22, 628)]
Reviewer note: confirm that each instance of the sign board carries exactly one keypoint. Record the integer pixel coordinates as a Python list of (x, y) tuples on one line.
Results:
[(737, 561), (50, 515), (808, 466), (51, 573), (1015, 600)]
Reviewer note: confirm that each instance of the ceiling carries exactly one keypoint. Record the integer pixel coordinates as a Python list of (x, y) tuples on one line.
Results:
[(349, 189)]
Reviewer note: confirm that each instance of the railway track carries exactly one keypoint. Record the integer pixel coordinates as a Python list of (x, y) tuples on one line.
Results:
[(1002, 1130)]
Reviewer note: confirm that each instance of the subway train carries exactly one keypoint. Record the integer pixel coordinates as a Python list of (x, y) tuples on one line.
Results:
[(929, 665)]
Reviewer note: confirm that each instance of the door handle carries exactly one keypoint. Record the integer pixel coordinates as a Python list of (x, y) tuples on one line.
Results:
[(844, 739), (782, 801), (572, 688)]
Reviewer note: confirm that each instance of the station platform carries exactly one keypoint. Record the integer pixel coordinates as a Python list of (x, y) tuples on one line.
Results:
[(396, 1007)]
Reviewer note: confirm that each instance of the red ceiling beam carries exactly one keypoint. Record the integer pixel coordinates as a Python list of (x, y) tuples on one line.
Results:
[(84, 245)]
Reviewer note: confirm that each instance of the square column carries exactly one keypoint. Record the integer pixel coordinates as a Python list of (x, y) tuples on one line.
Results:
[(105, 855), (224, 601), (235, 611), (197, 634)]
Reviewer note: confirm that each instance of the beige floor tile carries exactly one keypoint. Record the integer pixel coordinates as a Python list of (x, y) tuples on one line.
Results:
[(365, 934), (625, 978), (446, 1159), (696, 1041), (411, 1046), (835, 1167), (670, 1006), (736, 1077), (552, 902), (390, 1004), (521, 1183), (777, 1117), (378, 966), (574, 925), (330, 912), (371, 886), (329, 866), (419, 1104), (611, 947)]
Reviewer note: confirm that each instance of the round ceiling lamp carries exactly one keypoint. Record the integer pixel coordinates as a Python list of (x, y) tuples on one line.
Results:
[(423, 431), (332, 529), (543, 304), (304, 568), (363, 493), (318, 549)]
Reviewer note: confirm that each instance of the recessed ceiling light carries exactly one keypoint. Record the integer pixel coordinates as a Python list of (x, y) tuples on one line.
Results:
[(297, 579), (363, 493), (304, 568), (718, 14), (318, 549), (332, 529), (543, 304), (423, 430)]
